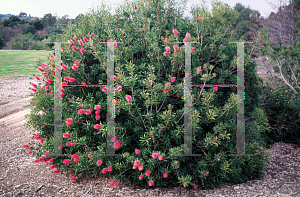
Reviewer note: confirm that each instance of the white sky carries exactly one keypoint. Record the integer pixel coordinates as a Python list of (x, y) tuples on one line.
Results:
[(39, 8)]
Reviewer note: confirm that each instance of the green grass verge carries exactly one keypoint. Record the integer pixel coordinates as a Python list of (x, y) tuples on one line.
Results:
[(22, 63)]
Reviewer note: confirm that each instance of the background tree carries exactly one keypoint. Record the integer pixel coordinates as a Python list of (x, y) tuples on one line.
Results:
[(5, 22), (30, 28), (38, 24), (22, 15), (2, 44), (48, 21)]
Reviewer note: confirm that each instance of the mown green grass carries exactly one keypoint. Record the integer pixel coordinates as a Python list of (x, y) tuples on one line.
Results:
[(22, 63)]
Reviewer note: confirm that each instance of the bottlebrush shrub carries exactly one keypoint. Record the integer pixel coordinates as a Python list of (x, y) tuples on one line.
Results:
[(149, 100)]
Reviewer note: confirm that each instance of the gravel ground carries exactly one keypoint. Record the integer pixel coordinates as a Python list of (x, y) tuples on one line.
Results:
[(21, 177)]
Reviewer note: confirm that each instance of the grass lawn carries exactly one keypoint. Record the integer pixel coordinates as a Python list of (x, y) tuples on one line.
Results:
[(22, 63)]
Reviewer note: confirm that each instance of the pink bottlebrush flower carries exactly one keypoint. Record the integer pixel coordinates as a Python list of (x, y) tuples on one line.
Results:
[(37, 161), (82, 50), (36, 77), (73, 178), (137, 151), (218, 159), (34, 85), (116, 184), (165, 90), (97, 117), (80, 42), (81, 111), (168, 85), (97, 107), (92, 34), (77, 160), (43, 65), (115, 43), (104, 89), (74, 67), (25, 146), (165, 53), (173, 79), (193, 50), (175, 47), (175, 163), (97, 126), (69, 120), (88, 112), (29, 152), (89, 156), (42, 140), (109, 168), (176, 35), (195, 186), (166, 39), (66, 135), (74, 48), (62, 95), (109, 42), (137, 162), (114, 139), (84, 84), (187, 35), (52, 166), (175, 31), (45, 75), (205, 174), (72, 80), (66, 78), (115, 78), (198, 17), (104, 170), (60, 147), (85, 39), (67, 161), (135, 7), (151, 183), (116, 102), (185, 40), (160, 157), (154, 155), (199, 68), (111, 184), (33, 90), (168, 48), (75, 38), (216, 88), (184, 184), (148, 173), (55, 171), (81, 105), (72, 143), (71, 42), (40, 69), (128, 98), (37, 137), (119, 87), (51, 160), (76, 62), (141, 167), (74, 156), (64, 67), (99, 162), (151, 133), (165, 175), (62, 48), (134, 166), (117, 145), (141, 177)]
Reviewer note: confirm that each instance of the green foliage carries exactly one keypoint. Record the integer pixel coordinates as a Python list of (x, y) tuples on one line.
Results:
[(2, 44), (282, 103), (5, 22), (25, 42), (153, 120), (38, 25), (58, 31), (30, 28)]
